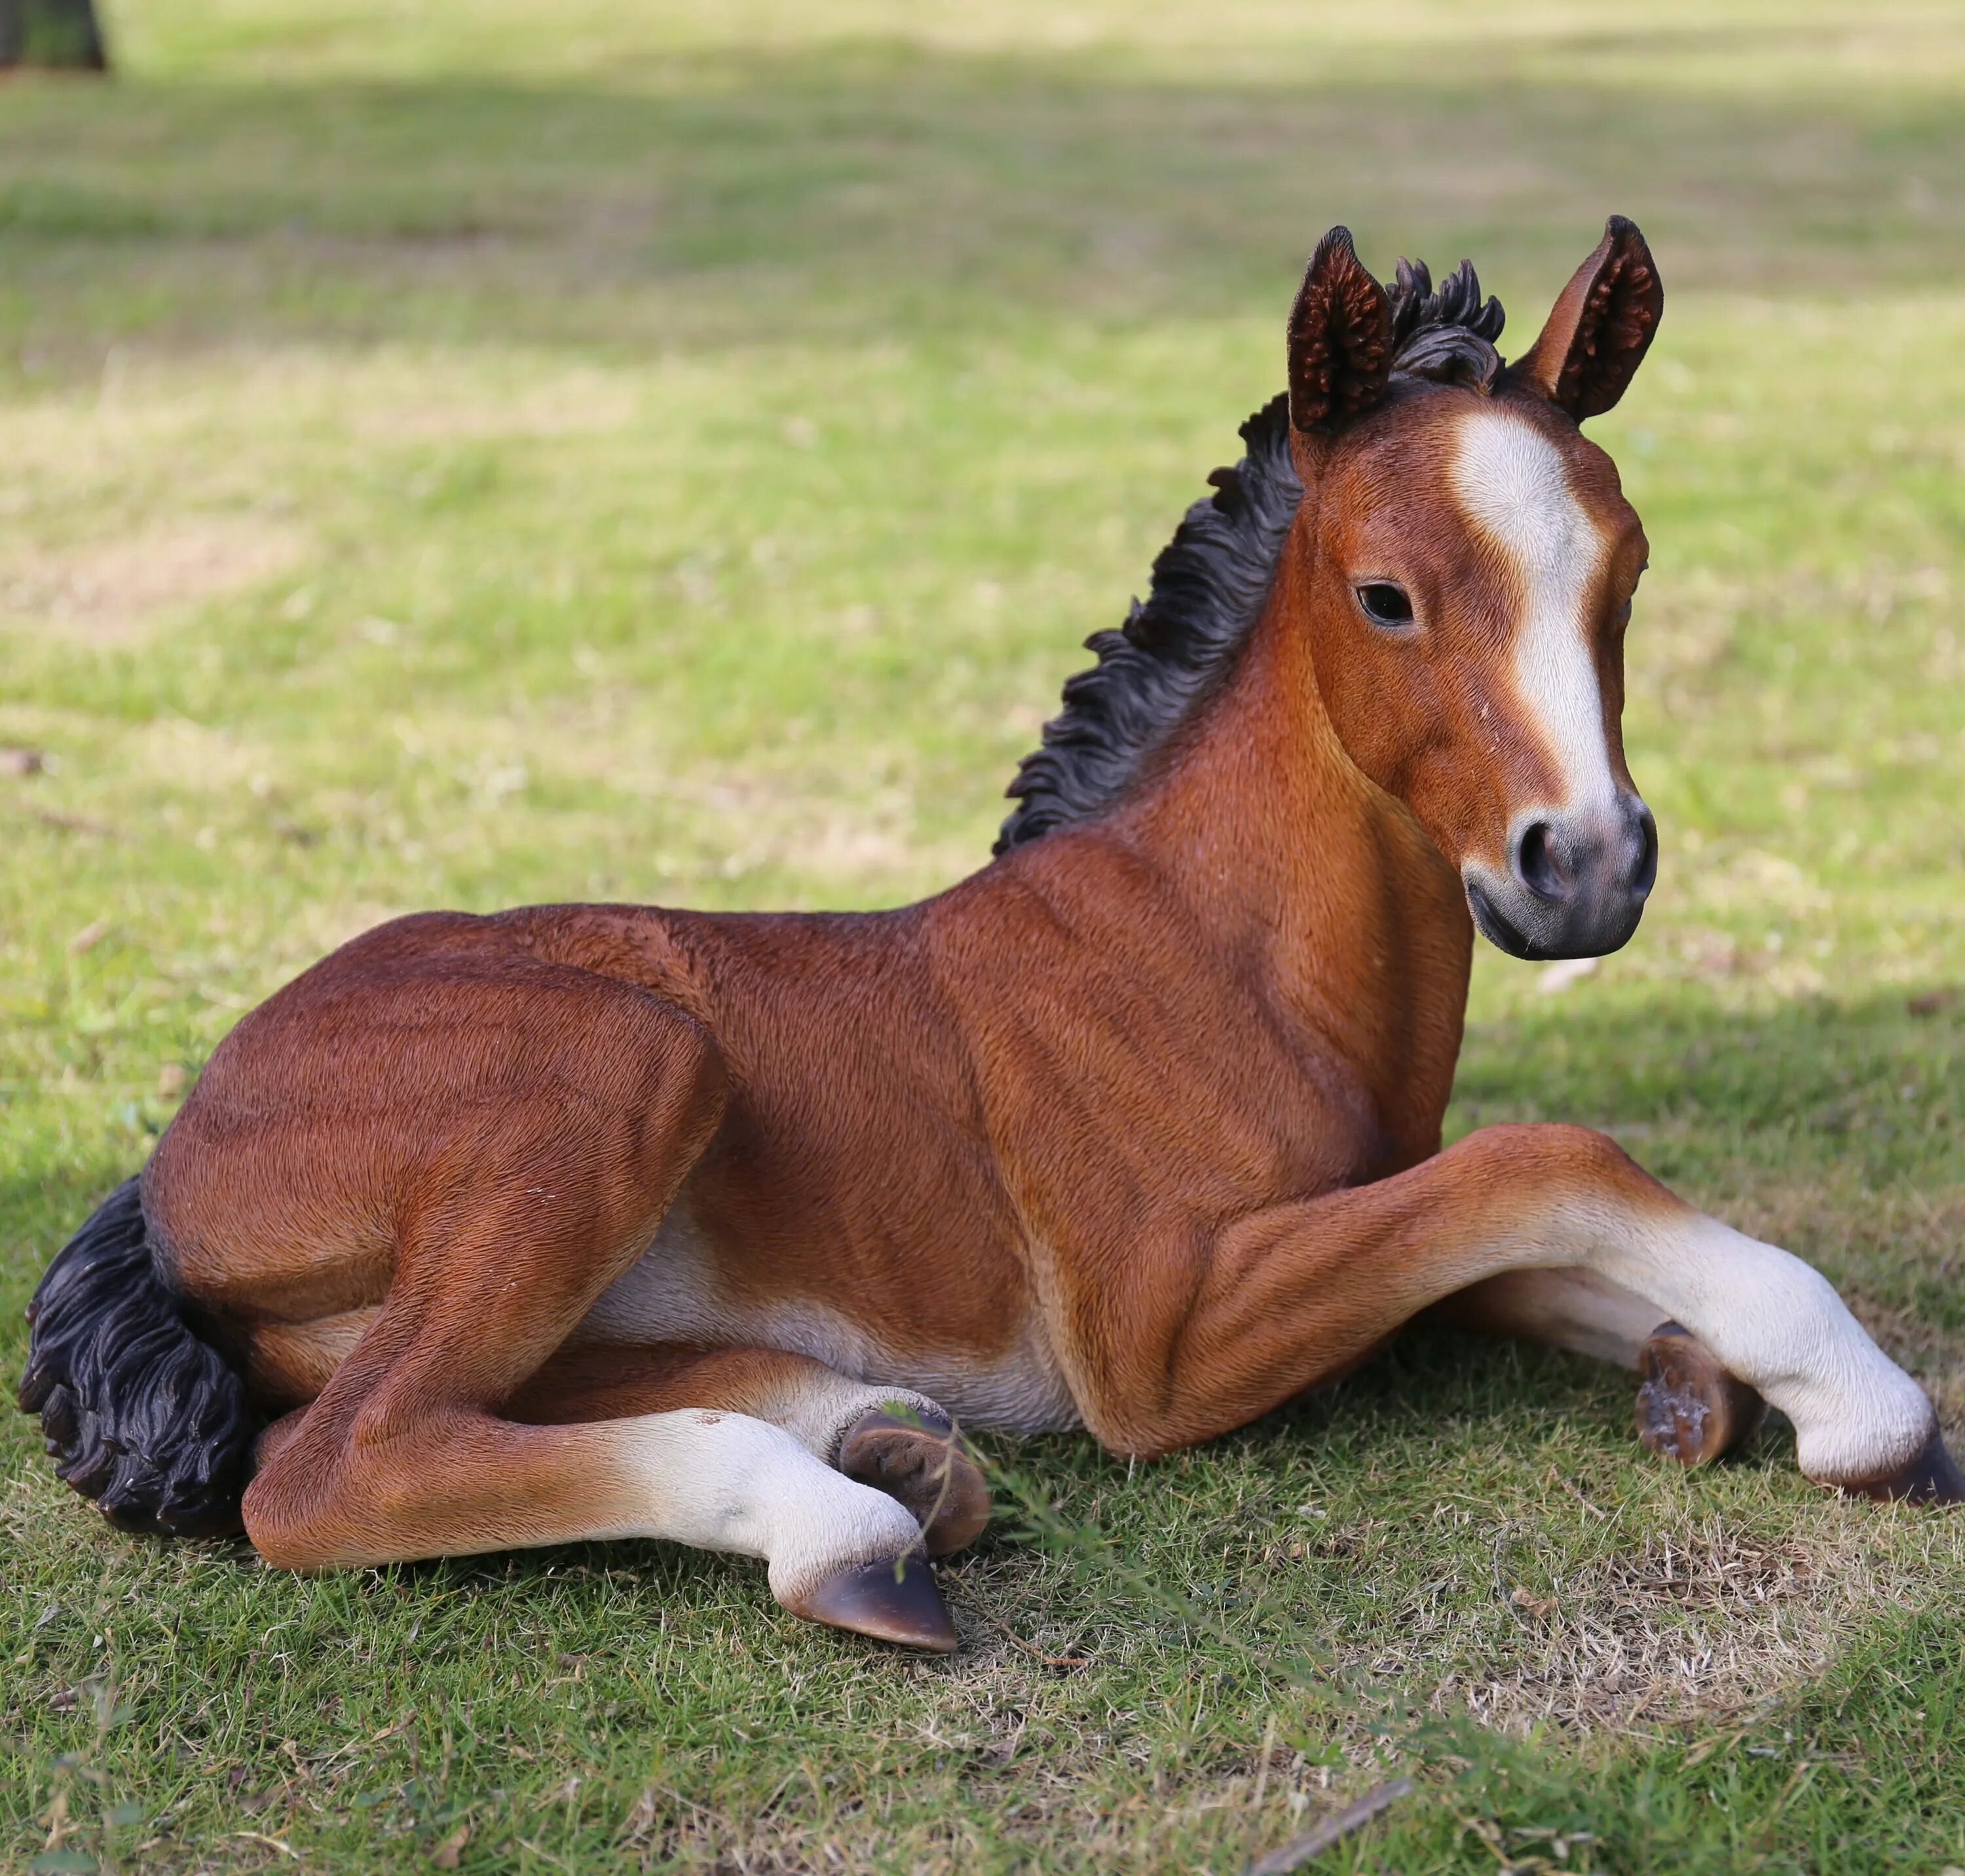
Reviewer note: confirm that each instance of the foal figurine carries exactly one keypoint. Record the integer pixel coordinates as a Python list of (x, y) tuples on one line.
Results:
[(586, 1221)]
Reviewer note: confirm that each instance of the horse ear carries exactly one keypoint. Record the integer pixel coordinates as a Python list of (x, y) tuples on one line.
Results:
[(1600, 327), (1340, 338)]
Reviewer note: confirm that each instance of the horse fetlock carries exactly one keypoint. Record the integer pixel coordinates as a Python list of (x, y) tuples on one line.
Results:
[(1878, 1427), (1886, 1445), (1688, 1408), (1775, 1324), (918, 1457), (824, 1530)]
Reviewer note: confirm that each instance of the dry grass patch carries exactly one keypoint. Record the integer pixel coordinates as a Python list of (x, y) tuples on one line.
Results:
[(1704, 1625), (117, 591), (433, 402)]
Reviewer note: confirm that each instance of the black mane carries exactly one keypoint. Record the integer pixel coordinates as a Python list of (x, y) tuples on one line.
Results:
[(1211, 581), (1208, 586)]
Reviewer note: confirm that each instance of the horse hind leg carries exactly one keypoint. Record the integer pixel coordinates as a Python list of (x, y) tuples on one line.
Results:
[(836, 1551), (378, 1471), (520, 1211), (897, 1441)]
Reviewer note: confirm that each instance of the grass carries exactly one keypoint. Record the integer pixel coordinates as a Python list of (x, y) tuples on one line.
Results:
[(471, 453)]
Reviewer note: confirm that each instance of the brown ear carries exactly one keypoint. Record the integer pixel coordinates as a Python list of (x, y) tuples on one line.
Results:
[(1600, 327), (1340, 338)]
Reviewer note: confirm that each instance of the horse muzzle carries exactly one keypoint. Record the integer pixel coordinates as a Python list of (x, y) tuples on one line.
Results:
[(1576, 883)]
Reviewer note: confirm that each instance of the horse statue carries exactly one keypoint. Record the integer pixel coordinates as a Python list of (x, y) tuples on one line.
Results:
[(599, 1221)]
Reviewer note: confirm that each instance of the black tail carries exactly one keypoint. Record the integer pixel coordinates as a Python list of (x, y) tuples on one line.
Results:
[(141, 1414)]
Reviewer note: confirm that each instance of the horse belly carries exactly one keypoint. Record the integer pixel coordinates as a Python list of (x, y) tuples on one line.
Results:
[(673, 1294)]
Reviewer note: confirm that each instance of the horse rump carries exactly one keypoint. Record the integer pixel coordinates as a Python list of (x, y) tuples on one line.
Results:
[(141, 1414)]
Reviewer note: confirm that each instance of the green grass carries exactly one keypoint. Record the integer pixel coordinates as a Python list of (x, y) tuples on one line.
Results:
[(472, 453)]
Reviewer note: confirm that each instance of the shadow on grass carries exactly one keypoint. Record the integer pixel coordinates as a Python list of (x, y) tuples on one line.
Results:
[(870, 190)]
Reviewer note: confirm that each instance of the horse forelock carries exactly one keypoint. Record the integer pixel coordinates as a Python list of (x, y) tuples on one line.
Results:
[(1447, 336), (1211, 582)]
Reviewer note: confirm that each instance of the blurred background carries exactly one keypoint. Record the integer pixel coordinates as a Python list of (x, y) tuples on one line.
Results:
[(467, 451), (463, 453)]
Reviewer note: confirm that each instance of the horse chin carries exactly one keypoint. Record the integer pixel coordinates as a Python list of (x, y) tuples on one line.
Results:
[(1567, 937), (1496, 929)]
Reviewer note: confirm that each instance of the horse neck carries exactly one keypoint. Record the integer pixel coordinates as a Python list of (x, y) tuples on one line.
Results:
[(1316, 884)]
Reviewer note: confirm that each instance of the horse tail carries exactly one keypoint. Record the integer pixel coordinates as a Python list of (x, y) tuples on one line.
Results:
[(140, 1412)]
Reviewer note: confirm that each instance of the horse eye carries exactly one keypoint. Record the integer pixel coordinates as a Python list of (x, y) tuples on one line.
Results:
[(1385, 604)]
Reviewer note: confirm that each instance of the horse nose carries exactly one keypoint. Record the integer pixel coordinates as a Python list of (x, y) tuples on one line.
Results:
[(1576, 882), (1589, 866)]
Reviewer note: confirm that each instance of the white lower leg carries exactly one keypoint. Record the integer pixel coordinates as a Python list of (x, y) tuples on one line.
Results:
[(1774, 1322), (726, 1482)]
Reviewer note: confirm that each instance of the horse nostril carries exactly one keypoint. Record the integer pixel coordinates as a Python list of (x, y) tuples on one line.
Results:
[(1536, 864), (1644, 874)]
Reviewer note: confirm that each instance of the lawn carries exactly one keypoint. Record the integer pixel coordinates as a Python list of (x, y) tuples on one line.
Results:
[(469, 453)]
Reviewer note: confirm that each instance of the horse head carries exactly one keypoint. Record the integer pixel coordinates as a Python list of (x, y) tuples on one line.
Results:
[(1464, 562)]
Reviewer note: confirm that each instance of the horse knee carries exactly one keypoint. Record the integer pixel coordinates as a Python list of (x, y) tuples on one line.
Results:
[(283, 1512), (308, 1510)]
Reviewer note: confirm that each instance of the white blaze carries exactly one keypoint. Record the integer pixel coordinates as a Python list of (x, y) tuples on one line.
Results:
[(1510, 481)]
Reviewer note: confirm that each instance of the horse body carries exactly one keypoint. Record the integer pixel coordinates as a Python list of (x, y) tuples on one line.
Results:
[(577, 1222), (1012, 1045)]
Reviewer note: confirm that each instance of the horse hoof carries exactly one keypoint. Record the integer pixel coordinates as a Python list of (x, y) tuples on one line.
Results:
[(892, 1602), (1690, 1408), (1931, 1478), (926, 1465)]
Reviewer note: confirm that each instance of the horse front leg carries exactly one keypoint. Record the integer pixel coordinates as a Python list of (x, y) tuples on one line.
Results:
[(1688, 1408), (1211, 1334)]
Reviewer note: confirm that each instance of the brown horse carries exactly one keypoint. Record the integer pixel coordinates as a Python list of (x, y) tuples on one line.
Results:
[(585, 1222)]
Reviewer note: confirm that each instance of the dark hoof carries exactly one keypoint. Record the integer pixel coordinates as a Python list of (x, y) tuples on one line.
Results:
[(869, 1601), (1930, 1478), (1690, 1408), (926, 1464)]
